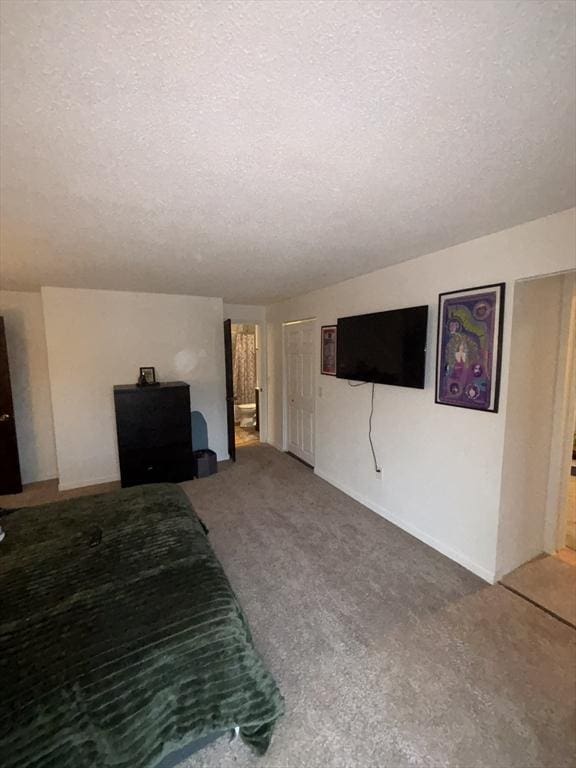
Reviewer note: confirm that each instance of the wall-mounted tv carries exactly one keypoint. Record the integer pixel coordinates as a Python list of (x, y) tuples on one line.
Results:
[(384, 347)]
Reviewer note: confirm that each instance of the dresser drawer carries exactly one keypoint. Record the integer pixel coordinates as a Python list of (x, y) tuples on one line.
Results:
[(172, 464)]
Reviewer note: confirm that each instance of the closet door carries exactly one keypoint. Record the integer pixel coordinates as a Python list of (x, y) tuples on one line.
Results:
[(300, 382)]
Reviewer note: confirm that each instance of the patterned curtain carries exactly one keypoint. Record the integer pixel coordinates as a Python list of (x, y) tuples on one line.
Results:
[(245, 367)]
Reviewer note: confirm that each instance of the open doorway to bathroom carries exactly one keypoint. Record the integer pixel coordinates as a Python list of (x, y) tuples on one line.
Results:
[(245, 382), (536, 559)]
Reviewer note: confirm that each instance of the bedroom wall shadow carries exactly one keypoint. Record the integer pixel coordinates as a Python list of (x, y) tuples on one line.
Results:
[(199, 431)]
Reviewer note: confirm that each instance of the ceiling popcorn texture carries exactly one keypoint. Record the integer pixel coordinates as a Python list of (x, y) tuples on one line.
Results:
[(258, 150)]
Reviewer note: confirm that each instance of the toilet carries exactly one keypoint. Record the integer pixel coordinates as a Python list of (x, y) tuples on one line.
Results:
[(246, 413)]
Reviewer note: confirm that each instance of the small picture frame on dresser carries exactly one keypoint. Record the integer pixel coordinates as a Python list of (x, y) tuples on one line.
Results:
[(147, 376)]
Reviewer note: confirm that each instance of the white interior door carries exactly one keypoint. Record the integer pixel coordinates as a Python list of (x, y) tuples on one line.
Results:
[(300, 380)]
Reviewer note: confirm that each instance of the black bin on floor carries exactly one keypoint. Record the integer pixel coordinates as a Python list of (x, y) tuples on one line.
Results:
[(205, 463)]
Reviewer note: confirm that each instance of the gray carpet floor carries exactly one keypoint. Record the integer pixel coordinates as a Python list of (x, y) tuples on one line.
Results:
[(549, 582), (388, 654)]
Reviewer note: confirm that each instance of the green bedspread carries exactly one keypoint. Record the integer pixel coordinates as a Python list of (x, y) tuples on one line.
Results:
[(120, 636)]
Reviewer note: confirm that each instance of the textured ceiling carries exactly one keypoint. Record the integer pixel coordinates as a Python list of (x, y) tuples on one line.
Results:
[(257, 150)]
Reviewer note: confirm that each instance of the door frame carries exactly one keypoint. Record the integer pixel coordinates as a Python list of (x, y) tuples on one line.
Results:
[(285, 379)]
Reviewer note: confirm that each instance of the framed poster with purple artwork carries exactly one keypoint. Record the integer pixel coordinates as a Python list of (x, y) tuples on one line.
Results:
[(468, 356), (328, 347)]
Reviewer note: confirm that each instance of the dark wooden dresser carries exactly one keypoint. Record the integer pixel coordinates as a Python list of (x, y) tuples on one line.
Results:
[(154, 433)]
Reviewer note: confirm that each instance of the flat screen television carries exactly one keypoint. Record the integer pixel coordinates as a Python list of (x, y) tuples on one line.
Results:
[(384, 347)]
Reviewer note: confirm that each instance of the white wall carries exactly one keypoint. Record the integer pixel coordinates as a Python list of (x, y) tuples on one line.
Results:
[(534, 364), (28, 362), (245, 313), (100, 338), (441, 466)]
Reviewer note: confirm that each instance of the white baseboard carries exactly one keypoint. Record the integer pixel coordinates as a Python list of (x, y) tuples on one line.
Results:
[(71, 484), (439, 546), (39, 479)]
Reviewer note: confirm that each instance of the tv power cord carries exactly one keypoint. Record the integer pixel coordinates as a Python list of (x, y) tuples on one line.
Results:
[(377, 467)]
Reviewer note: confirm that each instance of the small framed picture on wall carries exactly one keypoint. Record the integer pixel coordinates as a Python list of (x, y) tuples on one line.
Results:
[(470, 324), (328, 350)]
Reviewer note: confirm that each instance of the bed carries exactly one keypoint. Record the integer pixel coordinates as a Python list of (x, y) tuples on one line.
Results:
[(122, 643)]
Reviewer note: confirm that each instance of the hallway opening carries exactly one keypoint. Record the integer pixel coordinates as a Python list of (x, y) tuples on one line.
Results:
[(536, 556), (245, 347)]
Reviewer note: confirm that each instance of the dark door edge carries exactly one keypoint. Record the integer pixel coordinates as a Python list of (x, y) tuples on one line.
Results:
[(310, 466)]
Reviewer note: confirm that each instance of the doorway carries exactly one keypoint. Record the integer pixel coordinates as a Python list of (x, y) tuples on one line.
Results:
[(245, 371), (538, 500), (564, 437), (299, 385), (245, 384)]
